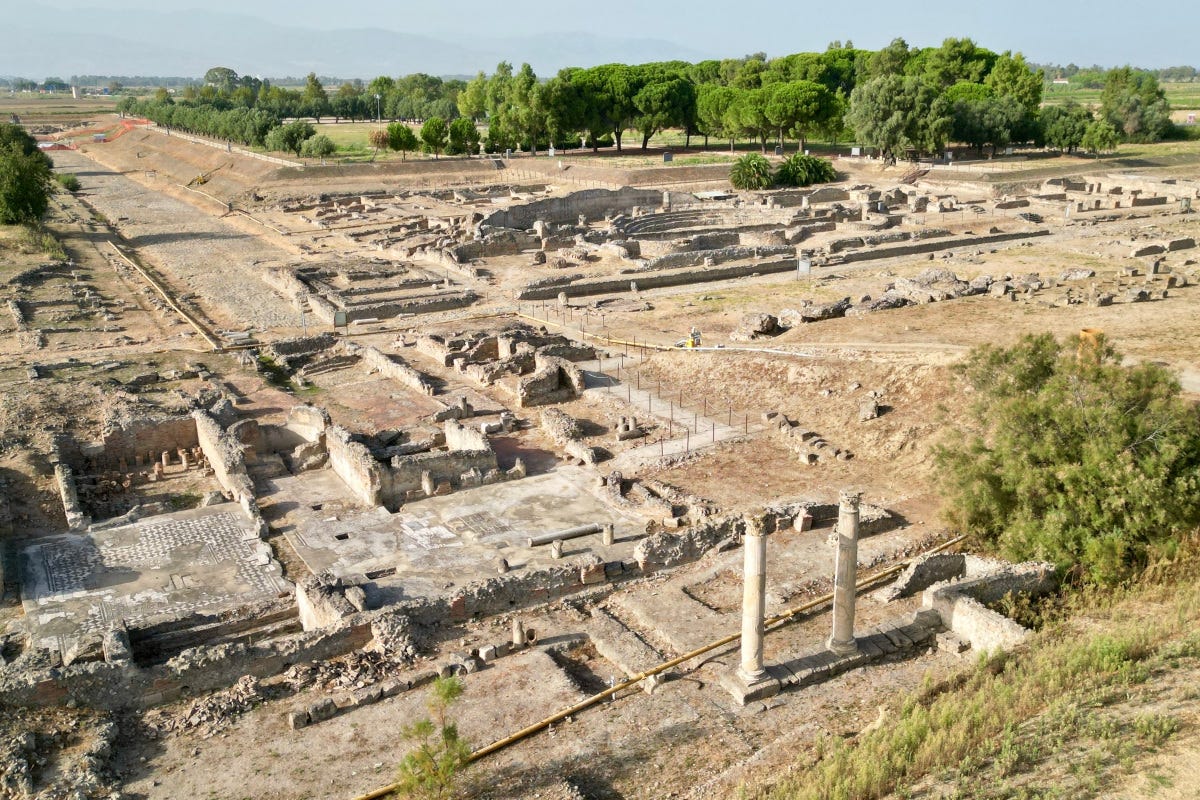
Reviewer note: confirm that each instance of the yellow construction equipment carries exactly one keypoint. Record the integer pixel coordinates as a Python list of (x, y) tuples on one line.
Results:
[(203, 177), (692, 340)]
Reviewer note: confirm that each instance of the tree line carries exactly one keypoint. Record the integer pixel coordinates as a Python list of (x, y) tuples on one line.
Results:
[(901, 100)]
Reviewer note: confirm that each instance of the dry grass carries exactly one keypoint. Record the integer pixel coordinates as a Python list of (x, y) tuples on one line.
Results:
[(1090, 697)]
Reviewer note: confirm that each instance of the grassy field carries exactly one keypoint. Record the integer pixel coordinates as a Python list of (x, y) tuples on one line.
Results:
[(1181, 96), (54, 107)]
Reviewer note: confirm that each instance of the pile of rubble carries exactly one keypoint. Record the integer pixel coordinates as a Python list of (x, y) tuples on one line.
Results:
[(353, 671), (211, 714)]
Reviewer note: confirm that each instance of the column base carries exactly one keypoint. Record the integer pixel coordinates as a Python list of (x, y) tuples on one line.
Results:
[(747, 690), (842, 648)]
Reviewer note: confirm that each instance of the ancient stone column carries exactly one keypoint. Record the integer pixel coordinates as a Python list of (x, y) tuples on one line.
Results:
[(754, 600), (518, 634), (845, 575)]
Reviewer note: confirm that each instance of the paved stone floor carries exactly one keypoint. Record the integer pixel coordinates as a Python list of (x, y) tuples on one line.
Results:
[(439, 542), (75, 586)]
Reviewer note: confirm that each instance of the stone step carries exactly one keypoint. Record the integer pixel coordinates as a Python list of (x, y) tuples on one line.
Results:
[(620, 645), (819, 664)]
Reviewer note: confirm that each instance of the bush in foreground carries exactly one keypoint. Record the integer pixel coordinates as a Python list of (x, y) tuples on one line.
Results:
[(1073, 458)]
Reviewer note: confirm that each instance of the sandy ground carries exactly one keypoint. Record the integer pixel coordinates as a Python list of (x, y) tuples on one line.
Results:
[(687, 739)]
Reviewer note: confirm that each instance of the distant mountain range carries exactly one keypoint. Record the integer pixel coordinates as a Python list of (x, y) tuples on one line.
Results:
[(36, 42)]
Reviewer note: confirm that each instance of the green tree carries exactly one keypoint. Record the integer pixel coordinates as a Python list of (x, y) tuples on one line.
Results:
[(433, 135), (25, 176), (222, 78), (567, 111), (747, 115), (750, 172), (433, 769), (986, 120), (1135, 106), (290, 137), (1100, 137), (1063, 127), (463, 137), (668, 103), (891, 60), (319, 146), (401, 138), (314, 102), (798, 108), (956, 60), (1070, 457), (895, 112), (712, 105), (1012, 76), (472, 100)]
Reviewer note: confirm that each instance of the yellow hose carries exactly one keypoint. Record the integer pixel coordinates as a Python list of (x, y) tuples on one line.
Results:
[(771, 622)]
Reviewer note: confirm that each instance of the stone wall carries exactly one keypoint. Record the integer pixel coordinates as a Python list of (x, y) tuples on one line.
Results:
[(593, 203), (695, 258), (397, 369), (962, 604), (353, 463), (151, 435), (226, 456), (319, 605), (64, 477), (122, 684), (413, 305), (555, 380), (284, 281), (498, 243), (411, 477)]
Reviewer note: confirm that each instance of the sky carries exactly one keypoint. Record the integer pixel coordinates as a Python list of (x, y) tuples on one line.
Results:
[(1108, 32)]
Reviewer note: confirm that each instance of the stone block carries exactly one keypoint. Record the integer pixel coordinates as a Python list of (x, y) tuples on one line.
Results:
[(393, 686), (323, 709), (870, 648), (367, 695), (297, 718), (949, 642)]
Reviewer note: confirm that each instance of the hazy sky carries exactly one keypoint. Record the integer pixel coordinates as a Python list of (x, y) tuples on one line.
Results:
[(1108, 32)]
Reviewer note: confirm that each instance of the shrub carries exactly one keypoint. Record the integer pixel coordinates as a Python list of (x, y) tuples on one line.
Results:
[(433, 769), (68, 181), (802, 170), (1073, 458), (750, 172), (318, 146)]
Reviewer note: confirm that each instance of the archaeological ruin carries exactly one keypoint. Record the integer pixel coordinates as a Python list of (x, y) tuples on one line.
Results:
[(397, 425)]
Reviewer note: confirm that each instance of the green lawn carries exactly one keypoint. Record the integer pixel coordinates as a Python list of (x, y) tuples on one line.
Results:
[(1179, 95)]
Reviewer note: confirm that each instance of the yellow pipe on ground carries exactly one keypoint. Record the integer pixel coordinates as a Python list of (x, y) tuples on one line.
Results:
[(771, 622)]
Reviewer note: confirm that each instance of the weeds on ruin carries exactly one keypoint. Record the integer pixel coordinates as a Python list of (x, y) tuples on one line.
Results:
[(433, 770), (36, 239)]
